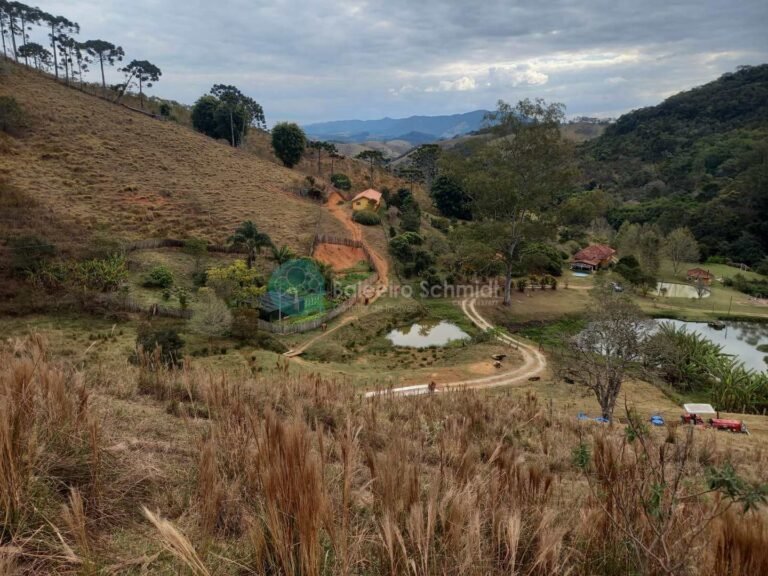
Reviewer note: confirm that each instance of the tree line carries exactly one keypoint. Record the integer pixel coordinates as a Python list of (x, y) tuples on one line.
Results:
[(67, 54)]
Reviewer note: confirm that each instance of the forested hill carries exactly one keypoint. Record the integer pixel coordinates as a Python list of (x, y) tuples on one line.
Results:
[(698, 159)]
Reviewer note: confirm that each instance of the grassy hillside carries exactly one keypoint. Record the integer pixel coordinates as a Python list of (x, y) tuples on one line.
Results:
[(84, 168), (698, 159)]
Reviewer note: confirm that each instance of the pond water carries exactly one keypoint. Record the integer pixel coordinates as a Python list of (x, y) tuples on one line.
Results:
[(424, 336), (740, 339), (679, 290)]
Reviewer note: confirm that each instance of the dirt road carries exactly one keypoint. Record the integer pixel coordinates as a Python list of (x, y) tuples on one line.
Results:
[(345, 217), (534, 364), (380, 264)]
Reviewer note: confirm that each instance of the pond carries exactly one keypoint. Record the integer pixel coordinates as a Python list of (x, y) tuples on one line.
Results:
[(672, 290), (740, 339), (424, 336)]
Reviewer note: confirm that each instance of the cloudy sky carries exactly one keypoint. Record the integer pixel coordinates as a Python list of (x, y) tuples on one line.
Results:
[(315, 60)]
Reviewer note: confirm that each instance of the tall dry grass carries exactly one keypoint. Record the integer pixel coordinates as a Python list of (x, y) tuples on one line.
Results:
[(58, 484), (297, 474), (312, 479)]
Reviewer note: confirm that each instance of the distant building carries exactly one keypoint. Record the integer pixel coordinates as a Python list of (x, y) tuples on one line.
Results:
[(367, 200), (700, 275), (592, 258)]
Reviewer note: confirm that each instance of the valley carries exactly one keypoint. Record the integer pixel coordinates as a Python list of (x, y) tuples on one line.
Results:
[(265, 354)]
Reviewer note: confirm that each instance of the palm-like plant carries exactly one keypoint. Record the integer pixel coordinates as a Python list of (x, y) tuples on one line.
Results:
[(282, 255), (247, 236), (326, 271)]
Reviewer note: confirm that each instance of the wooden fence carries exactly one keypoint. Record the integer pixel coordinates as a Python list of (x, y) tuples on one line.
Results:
[(123, 303), (153, 243), (119, 302), (288, 328), (298, 327)]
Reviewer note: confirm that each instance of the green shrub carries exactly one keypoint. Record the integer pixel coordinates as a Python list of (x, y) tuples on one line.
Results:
[(341, 181), (100, 274), (168, 340), (29, 253), (441, 224), (12, 118), (158, 277), (366, 218)]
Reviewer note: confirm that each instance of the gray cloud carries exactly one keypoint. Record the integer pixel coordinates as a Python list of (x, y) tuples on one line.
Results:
[(332, 59)]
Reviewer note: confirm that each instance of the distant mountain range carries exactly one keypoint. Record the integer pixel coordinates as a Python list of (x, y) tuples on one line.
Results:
[(415, 129)]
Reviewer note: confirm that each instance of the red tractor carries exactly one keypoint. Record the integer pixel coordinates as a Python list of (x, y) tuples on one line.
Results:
[(693, 414), (729, 425)]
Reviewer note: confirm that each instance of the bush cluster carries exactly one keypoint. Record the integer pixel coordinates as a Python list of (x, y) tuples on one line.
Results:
[(366, 218)]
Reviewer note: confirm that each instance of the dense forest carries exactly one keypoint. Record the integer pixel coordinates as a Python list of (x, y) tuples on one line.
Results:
[(699, 159)]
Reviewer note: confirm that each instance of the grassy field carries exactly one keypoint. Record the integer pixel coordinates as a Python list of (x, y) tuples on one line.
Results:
[(257, 470), (85, 167)]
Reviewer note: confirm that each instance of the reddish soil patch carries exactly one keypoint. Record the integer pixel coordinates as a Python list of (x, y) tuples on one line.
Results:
[(338, 256)]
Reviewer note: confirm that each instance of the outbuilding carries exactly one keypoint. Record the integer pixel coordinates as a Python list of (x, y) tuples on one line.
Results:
[(367, 200)]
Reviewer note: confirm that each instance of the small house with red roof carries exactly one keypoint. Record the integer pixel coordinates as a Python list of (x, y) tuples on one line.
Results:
[(700, 275), (592, 258), (368, 200)]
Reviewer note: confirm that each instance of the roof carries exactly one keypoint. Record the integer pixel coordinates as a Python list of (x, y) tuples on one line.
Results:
[(594, 254), (275, 300), (699, 273), (370, 194), (699, 408)]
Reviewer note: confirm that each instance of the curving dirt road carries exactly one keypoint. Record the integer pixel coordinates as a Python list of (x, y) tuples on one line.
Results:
[(380, 263), (534, 363)]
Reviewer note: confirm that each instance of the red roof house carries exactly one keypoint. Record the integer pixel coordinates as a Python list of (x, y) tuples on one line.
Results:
[(699, 274), (593, 257)]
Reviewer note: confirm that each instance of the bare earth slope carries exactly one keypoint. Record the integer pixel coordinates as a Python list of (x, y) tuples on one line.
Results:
[(92, 166)]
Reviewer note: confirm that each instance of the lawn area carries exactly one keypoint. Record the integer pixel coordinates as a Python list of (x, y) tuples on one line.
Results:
[(540, 305), (360, 351), (719, 270)]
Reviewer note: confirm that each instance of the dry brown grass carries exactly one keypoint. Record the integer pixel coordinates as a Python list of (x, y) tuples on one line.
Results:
[(91, 167), (295, 474)]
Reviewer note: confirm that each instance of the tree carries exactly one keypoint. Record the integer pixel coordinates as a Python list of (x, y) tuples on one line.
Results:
[(514, 179), (144, 72), (282, 255), (83, 60), (13, 11), (451, 199), (247, 236), (66, 46), (105, 52), (410, 215), (681, 246), (212, 318), (288, 142), (197, 248), (26, 15), (222, 119), (4, 23), (38, 54), (425, 158), (333, 153), (203, 115), (374, 158), (59, 25), (600, 355), (232, 95), (319, 147), (237, 112), (341, 181), (644, 242)]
